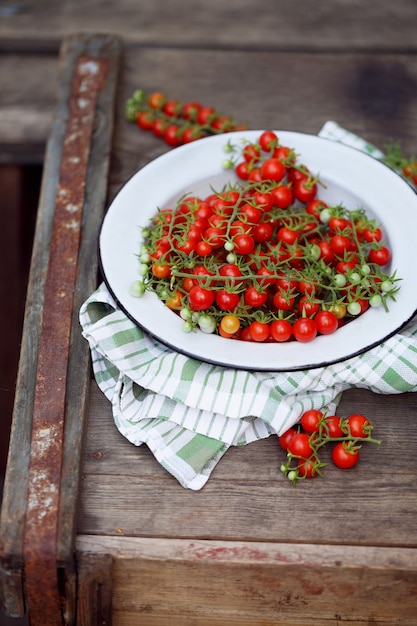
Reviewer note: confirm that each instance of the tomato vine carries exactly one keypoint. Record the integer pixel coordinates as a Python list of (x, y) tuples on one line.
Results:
[(285, 265), (176, 122), (303, 443)]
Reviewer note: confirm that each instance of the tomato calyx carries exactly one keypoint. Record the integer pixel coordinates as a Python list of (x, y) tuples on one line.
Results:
[(303, 443)]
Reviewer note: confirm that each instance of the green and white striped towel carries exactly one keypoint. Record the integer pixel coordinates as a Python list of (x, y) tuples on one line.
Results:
[(190, 412)]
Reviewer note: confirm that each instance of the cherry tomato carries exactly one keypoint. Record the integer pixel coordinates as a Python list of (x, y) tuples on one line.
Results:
[(244, 244), (282, 301), (307, 468), (259, 331), (338, 224), (255, 175), (273, 169), (205, 115), (158, 127), (326, 251), (281, 330), (346, 266), (285, 438), (230, 271), (265, 276), (380, 256), (304, 190), (284, 153), (251, 152), (339, 310), (226, 300), (201, 270), (344, 458), (191, 133), (263, 200), (372, 234), (287, 235), (299, 445), (326, 322), (187, 246), (145, 119), (333, 423), (295, 174), (254, 297), (160, 270), (282, 196), (304, 329), (230, 324), (359, 425), (171, 108), (200, 299), (175, 301), (252, 214), (308, 307), (226, 335), (172, 135), (156, 100), (287, 285), (204, 248), (307, 288), (341, 244), (262, 232), (189, 110), (311, 420), (214, 236), (244, 334), (237, 227), (314, 207), (268, 140)]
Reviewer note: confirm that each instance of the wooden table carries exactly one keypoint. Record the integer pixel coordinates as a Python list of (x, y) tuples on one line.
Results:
[(101, 532)]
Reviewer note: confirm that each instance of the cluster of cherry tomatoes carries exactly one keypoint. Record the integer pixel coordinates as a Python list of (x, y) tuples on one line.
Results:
[(175, 122), (303, 442), (265, 259)]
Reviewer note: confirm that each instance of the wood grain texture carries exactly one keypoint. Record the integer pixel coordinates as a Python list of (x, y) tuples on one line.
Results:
[(162, 582), (276, 24), (95, 588), (370, 95), (125, 490)]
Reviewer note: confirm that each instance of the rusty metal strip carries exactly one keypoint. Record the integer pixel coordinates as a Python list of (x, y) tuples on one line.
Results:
[(43, 593)]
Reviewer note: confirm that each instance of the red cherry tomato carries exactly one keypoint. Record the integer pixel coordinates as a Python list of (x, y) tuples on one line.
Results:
[(344, 458), (333, 424), (299, 445), (359, 425), (311, 420), (285, 438), (304, 329)]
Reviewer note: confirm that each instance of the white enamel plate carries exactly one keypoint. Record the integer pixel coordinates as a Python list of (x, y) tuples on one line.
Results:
[(352, 178)]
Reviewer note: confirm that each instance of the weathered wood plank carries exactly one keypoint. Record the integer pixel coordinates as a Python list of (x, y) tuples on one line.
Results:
[(372, 96), (348, 90), (334, 24), (94, 589), (125, 490), (160, 582), (14, 510)]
